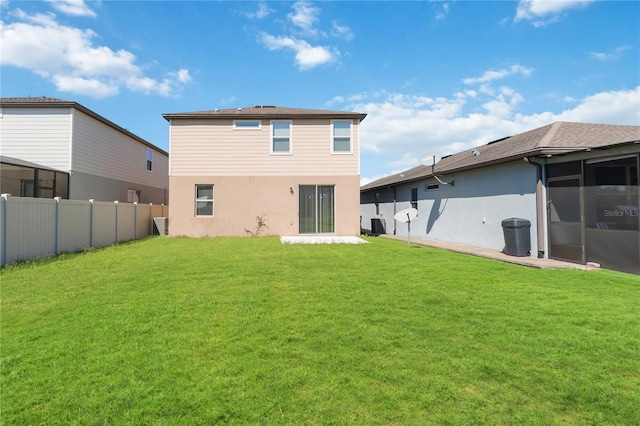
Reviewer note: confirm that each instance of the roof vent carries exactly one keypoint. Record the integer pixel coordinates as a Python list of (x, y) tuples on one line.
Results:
[(239, 109), (475, 152), (216, 110)]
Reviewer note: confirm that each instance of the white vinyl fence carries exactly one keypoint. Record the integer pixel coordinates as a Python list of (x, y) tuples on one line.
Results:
[(31, 228)]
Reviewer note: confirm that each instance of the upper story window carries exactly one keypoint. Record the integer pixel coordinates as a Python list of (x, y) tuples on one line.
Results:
[(247, 124), (341, 140), (149, 159), (281, 137)]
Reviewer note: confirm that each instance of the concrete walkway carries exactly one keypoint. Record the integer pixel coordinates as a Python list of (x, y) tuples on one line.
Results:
[(531, 261)]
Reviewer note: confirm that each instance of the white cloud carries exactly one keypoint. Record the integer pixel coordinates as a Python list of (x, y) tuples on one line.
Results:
[(544, 12), (305, 19), (72, 7), (341, 31), (306, 55), (81, 85), (262, 12), (442, 13), (68, 57), (609, 56), (305, 16), (615, 107), (499, 74), (404, 128)]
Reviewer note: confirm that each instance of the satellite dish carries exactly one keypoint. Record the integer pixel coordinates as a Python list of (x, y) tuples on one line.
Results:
[(430, 160), (406, 216)]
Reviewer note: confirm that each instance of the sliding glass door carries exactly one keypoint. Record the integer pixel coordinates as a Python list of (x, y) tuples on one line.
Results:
[(317, 206)]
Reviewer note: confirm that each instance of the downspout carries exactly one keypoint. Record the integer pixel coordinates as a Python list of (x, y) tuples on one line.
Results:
[(395, 208), (541, 183)]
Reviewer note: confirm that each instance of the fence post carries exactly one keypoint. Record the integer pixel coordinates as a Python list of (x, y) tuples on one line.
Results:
[(135, 220), (150, 218), (116, 204), (91, 213), (5, 200), (56, 231)]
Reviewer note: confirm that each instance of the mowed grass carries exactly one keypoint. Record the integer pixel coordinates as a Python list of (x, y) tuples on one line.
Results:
[(249, 331)]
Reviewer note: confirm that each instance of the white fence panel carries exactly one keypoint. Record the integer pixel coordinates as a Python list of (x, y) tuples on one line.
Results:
[(31, 228), (104, 223), (126, 214), (74, 225), (143, 220)]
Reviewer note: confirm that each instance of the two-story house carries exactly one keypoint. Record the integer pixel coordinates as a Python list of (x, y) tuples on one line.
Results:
[(295, 169), (53, 147)]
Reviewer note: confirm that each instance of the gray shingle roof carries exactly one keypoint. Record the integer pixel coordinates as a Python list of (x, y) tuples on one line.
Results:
[(265, 111), (34, 100), (22, 163), (556, 138), (45, 102)]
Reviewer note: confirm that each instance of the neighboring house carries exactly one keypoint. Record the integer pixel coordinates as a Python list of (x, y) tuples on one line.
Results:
[(296, 169), (576, 183), (52, 147)]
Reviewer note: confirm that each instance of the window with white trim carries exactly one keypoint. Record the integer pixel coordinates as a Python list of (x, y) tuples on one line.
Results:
[(247, 124), (149, 159), (281, 137), (204, 200), (341, 136)]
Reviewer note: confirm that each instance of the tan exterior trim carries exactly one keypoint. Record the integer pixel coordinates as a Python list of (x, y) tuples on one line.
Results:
[(239, 199)]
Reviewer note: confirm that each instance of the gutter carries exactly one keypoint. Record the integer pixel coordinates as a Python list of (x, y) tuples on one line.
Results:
[(541, 184)]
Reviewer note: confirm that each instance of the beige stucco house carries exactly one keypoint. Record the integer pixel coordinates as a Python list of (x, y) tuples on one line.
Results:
[(297, 169)]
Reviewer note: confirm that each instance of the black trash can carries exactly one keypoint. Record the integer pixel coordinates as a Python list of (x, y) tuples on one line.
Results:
[(517, 236)]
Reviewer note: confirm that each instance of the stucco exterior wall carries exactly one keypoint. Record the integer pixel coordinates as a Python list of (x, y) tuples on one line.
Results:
[(469, 213), (239, 199)]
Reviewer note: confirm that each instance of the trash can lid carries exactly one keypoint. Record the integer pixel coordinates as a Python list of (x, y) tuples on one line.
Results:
[(515, 222)]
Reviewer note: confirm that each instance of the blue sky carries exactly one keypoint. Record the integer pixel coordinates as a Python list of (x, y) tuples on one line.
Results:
[(434, 77)]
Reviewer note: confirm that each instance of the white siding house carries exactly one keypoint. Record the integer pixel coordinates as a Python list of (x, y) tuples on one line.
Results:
[(103, 161)]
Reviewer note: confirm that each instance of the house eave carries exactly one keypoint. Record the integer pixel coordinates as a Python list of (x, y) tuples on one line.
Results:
[(543, 153)]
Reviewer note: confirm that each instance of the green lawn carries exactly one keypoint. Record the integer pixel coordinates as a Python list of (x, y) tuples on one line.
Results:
[(249, 331)]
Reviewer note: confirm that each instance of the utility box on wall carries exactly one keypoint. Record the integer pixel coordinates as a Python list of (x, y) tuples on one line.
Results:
[(161, 226), (378, 226)]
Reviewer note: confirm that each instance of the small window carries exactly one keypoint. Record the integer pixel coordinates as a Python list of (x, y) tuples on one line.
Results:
[(149, 159), (414, 198), (431, 187), (204, 200), (247, 124), (341, 136), (280, 137)]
